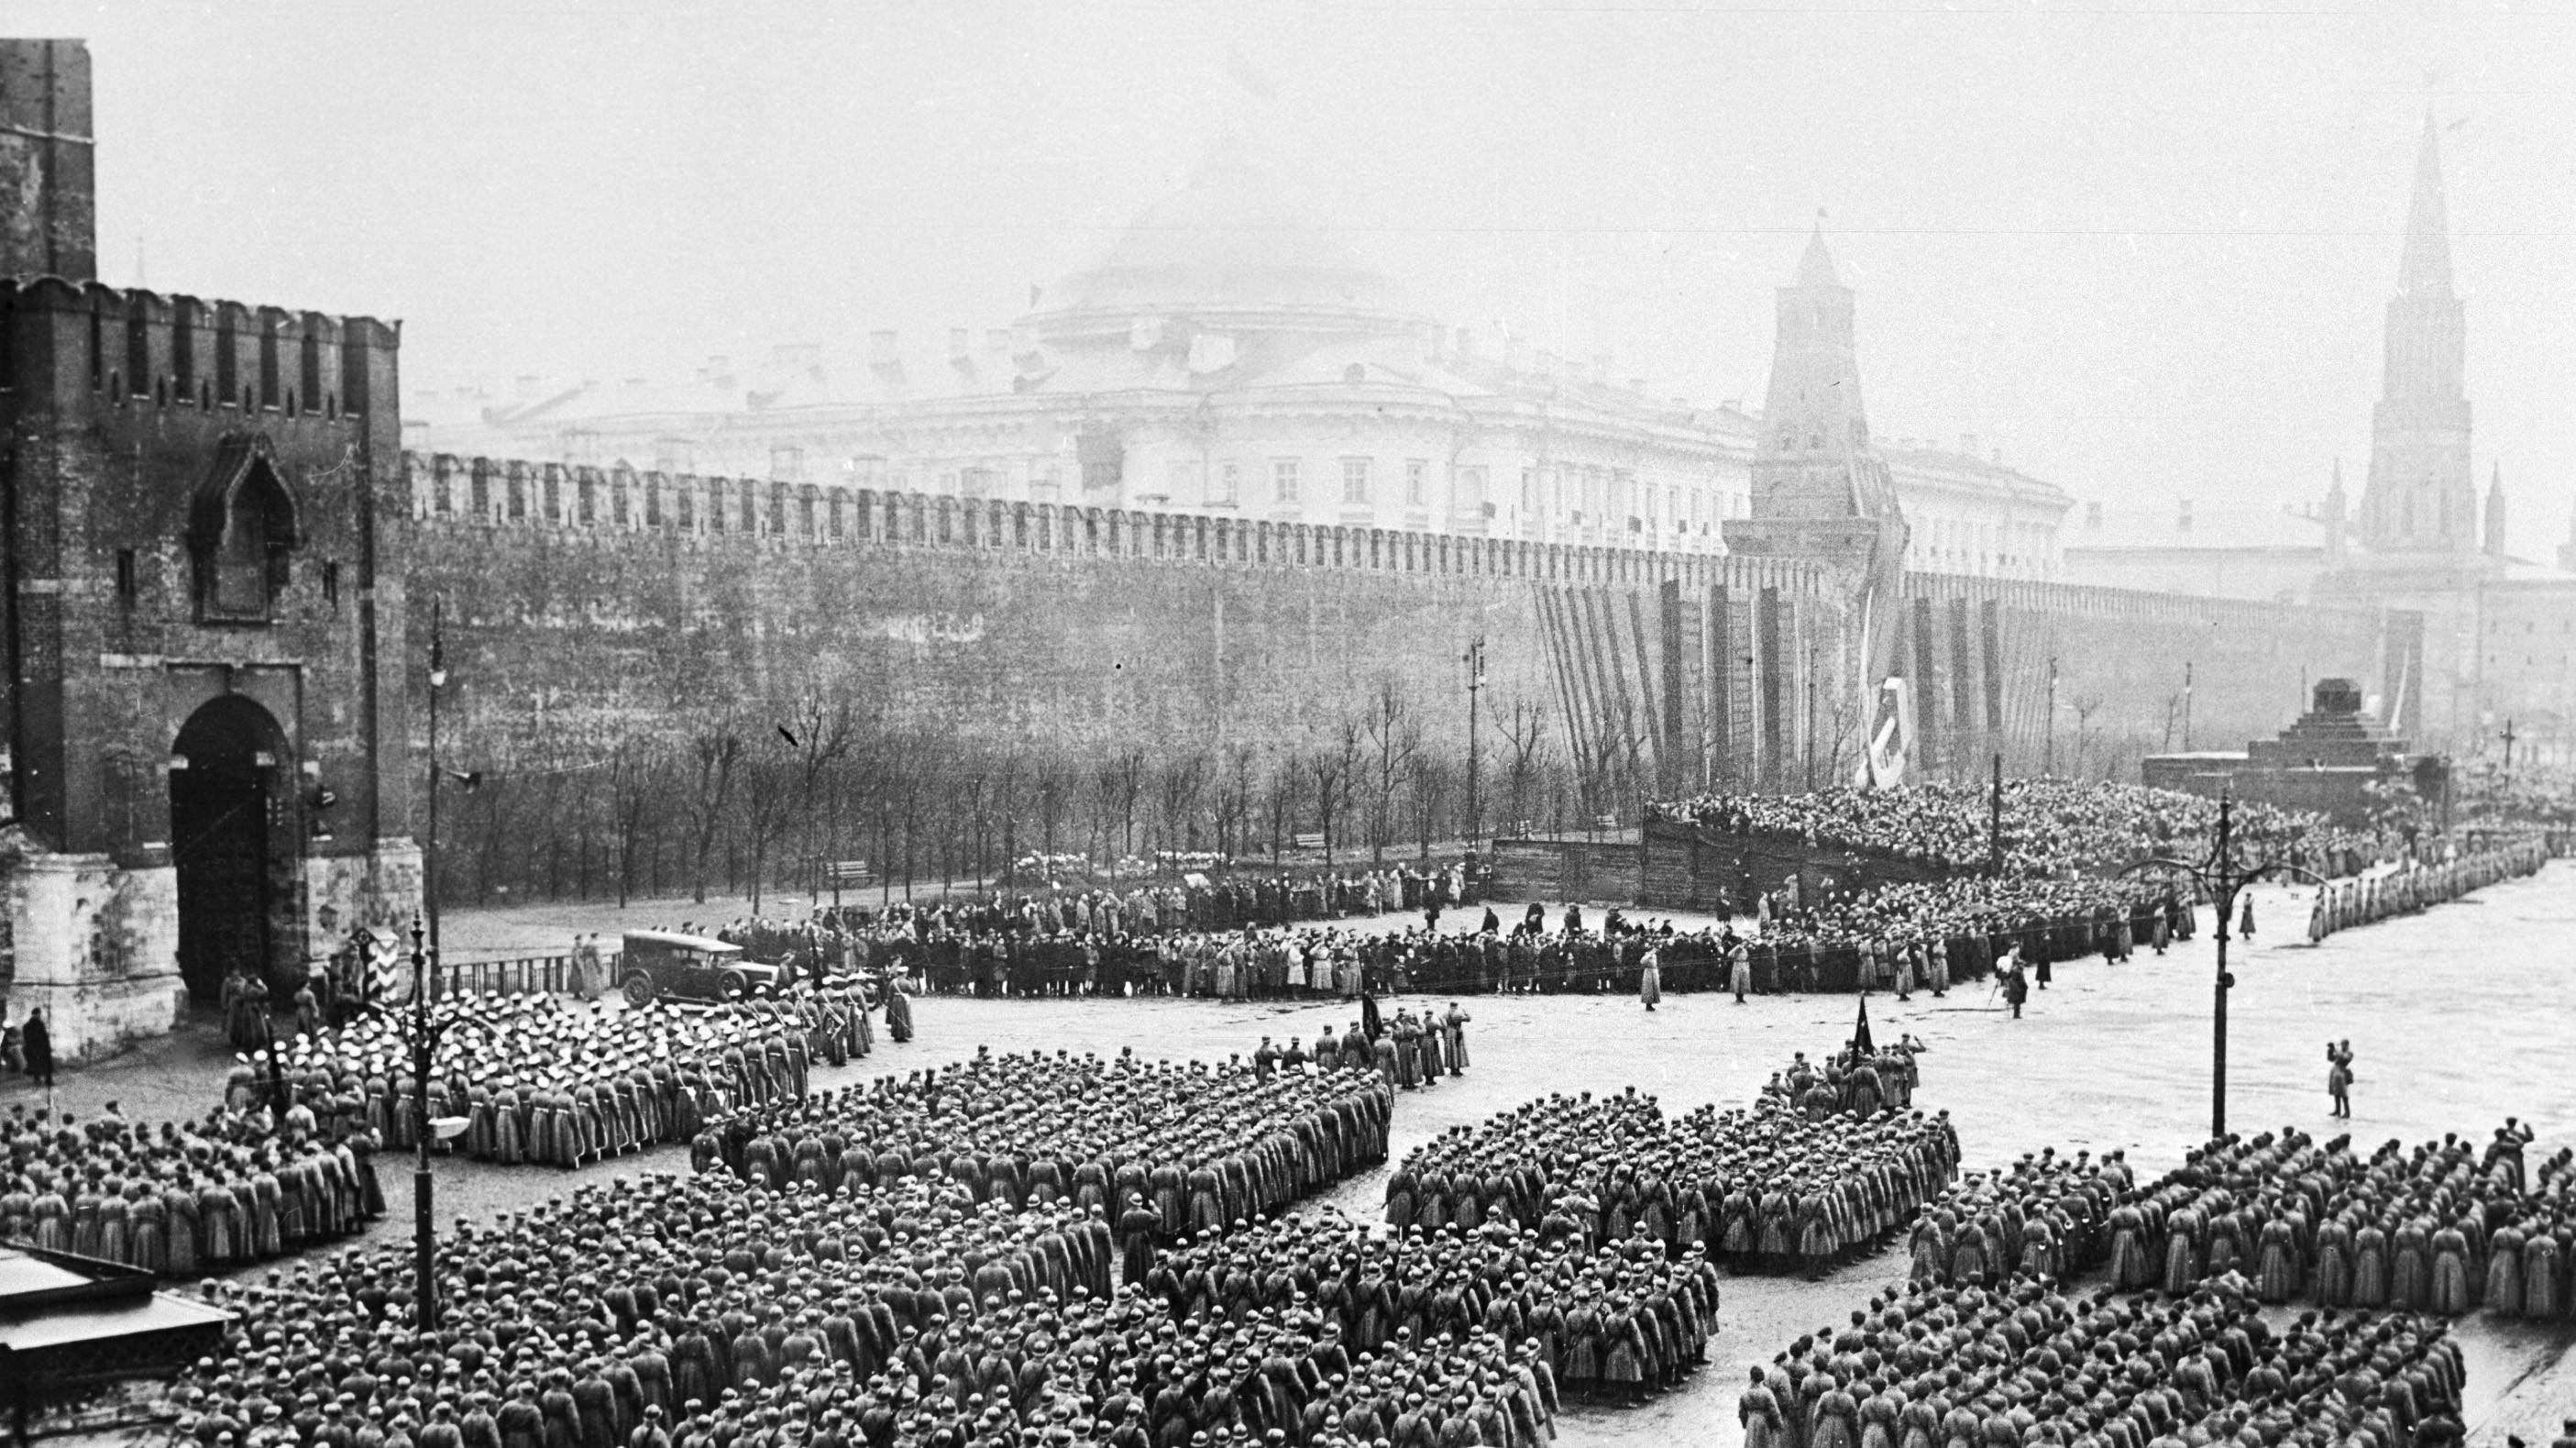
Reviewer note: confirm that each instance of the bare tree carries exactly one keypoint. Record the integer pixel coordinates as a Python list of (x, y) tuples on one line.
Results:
[(768, 789), (1334, 767), (1287, 781), (1177, 787), (716, 748), (1427, 782), (822, 732), (1394, 740), (1525, 734), (1055, 785), (637, 777), (1234, 800), (2086, 706), (1116, 786)]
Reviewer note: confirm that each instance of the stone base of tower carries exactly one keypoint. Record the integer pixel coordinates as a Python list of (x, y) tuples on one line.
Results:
[(1847, 544), (95, 946)]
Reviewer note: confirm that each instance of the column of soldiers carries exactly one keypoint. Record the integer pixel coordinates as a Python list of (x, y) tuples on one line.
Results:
[(2369, 899), (544, 1080), (2024, 1364), (2448, 1227), (1038, 940), (188, 1197), (1902, 939), (2045, 1216), (1200, 1146), (1764, 1190), (707, 1311), (1600, 1320)]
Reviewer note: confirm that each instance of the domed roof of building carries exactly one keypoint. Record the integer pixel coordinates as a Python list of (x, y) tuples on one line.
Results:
[(1228, 242)]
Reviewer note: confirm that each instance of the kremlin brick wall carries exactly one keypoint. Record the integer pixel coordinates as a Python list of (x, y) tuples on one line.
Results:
[(585, 610)]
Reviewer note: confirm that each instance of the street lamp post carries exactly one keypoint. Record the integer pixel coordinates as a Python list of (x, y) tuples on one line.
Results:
[(2048, 767), (429, 856), (1475, 684), (2223, 874), (1811, 719), (1995, 822), (424, 1226)]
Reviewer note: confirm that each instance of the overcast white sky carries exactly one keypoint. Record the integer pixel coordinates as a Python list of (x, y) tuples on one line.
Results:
[(2142, 248)]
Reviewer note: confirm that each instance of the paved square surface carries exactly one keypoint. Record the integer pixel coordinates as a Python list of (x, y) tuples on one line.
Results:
[(2457, 1017)]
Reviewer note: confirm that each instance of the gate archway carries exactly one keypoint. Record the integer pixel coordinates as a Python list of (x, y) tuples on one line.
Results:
[(232, 838)]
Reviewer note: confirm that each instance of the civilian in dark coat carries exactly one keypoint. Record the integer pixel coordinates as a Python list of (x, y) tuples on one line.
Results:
[(40, 1050)]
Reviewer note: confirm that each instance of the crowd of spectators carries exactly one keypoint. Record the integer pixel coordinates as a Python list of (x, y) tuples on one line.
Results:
[(2051, 827)]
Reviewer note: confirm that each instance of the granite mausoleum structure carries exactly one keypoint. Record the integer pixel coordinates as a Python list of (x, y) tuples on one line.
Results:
[(2326, 761)]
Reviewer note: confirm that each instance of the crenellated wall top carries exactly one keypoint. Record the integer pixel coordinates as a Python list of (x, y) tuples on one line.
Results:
[(451, 491)]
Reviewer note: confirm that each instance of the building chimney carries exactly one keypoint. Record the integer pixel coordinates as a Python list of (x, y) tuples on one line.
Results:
[(2182, 518), (1968, 443), (48, 167)]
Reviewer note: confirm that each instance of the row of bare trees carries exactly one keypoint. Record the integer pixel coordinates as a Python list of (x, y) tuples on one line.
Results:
[(746, 800)]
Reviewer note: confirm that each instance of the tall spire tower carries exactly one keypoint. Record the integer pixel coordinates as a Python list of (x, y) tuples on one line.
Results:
[(1821, 493), (1814, 459), (2421, 497)]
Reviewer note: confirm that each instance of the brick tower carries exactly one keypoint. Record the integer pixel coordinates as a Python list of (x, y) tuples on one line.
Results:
[(1821, 492), (201, 532), (2421, 497)]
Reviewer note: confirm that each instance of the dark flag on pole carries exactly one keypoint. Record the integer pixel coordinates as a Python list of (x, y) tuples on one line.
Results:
[(1860, 1033)]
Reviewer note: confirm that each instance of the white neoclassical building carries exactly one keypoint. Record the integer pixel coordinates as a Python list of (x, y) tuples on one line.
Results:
[(1230, 355)]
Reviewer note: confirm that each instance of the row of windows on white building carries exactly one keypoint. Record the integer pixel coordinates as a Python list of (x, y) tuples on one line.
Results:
[(1588, 498)]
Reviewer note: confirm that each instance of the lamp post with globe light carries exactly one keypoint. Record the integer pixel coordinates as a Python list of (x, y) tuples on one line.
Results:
[(2223, 873)]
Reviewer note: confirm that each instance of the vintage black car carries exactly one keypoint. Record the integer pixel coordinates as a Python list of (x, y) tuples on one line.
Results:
[(666, 965)]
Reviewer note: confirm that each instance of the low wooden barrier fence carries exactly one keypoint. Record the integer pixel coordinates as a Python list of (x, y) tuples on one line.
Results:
[(526, 975)]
